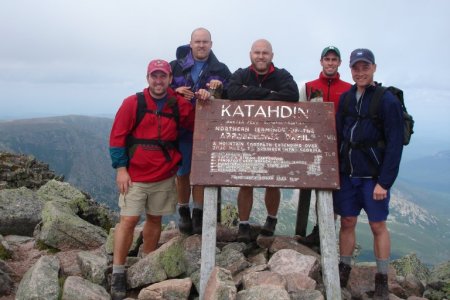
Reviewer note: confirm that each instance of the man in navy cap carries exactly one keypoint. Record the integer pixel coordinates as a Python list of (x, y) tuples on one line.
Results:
[(369, 160)]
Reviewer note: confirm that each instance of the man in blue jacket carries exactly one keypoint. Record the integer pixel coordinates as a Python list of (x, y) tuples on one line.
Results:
[(195, 71), (369, 158)]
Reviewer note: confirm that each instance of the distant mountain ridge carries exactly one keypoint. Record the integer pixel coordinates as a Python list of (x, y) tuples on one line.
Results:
[(77, 147), (73, 146)]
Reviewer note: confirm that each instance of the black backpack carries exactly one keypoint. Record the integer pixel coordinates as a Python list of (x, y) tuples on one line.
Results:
[(408, 121), (141, 110)]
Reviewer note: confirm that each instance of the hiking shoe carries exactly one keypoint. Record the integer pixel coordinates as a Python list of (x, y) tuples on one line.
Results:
[(244, 233), (185, 223), (313, 239), (344, 273), (381, 287), (118, 286), (269, 227), (197, 220)]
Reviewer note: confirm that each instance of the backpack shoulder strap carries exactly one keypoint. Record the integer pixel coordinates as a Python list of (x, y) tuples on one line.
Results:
[(346, 104), (141, 108), (375, 102), (176, 114)]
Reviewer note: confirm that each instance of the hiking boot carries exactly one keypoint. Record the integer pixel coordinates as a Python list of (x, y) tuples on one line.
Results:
[(197, 220), (344, 273), (269, 227), (381, 287), (185, 223), (118, 286), (313, 239), (244, 233)]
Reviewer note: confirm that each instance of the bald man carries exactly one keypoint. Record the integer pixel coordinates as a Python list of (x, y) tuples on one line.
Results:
[(197, 74), (260, 81)]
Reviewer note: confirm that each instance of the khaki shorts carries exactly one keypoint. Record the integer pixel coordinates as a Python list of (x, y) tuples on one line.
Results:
[(155, 198)]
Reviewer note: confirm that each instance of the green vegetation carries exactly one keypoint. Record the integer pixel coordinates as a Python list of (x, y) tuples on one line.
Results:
[(61, 281), (4, 253), (44, 247)]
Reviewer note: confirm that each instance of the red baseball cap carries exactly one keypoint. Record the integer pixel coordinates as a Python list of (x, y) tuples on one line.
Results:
[(159, 65)]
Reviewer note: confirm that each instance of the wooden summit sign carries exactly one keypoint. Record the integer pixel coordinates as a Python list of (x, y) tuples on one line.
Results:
[(265, 144)]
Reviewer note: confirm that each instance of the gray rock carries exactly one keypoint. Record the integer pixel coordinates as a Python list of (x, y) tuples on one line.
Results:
[(238, 277), (61, 228), (40, 281), (232, 260), (192, 247), (19, 206), (62, 191), (76, 288), (284, 242), (306, 295), (172, 289), (93, 267), (288, 261), (220, 285), (264, 292), (165, 262), (81, 204), (263, 278), (298, 281)]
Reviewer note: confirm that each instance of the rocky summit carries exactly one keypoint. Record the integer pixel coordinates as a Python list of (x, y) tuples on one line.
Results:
[(65, 251)]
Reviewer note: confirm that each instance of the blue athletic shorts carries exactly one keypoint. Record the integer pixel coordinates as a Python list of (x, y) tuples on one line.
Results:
[(185, 147), (356, 194)]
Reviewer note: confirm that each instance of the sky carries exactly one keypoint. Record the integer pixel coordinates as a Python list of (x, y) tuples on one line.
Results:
[(60, 57)]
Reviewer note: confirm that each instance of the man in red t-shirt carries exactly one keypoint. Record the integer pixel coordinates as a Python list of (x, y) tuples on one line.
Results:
[(144, 153)]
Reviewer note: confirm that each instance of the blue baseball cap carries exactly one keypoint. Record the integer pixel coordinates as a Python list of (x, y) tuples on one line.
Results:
[(361, 54)]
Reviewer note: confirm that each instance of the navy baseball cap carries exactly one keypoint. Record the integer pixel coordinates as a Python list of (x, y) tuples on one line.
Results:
[(361, 55), (330, 48)]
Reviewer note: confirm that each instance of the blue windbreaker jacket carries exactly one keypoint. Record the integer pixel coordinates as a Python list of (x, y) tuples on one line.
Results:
[(360, 152)]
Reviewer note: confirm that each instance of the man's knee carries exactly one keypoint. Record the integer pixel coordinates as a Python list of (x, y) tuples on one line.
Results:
[(378, 227), (154, 220), (128, 223), (348, 223)]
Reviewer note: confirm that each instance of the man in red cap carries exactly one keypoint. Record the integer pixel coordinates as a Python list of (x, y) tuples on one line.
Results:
[(328, 88), (144, 153)]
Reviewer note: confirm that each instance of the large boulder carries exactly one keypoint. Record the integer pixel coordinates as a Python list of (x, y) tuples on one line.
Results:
[(165, 262), (80, 202), (40, 281), (168, 289), (220, 285), (76, 288), (20, 211), (61, 228)]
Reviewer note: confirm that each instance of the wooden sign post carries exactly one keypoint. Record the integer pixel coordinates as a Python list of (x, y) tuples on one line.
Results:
[(267, 144)]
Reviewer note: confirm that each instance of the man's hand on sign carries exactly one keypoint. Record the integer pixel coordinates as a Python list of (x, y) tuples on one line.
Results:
[(215, 88), (185, 92), (203, 96)]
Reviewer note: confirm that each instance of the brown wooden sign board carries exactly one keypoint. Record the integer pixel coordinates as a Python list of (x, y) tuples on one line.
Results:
[(265, 144)]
